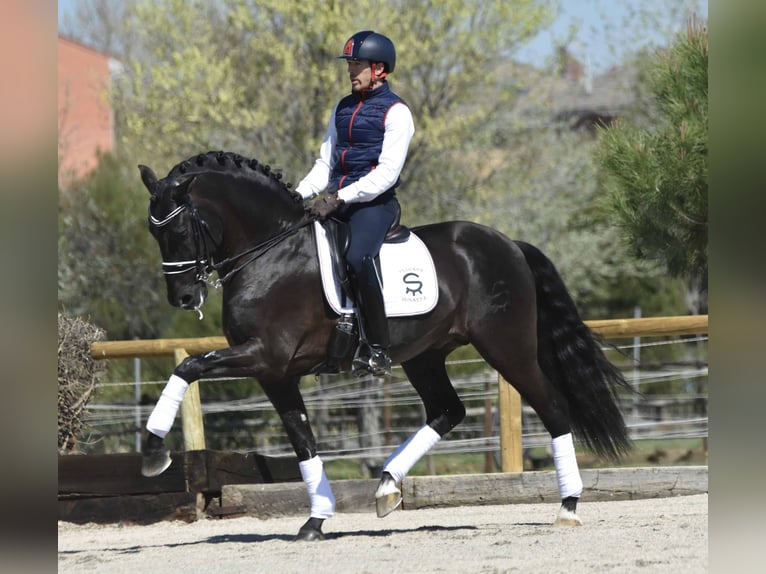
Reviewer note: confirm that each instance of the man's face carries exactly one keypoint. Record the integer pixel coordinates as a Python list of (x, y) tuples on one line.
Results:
[(360, 74)]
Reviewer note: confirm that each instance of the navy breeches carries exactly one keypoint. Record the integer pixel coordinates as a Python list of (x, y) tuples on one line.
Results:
[(368, 223)]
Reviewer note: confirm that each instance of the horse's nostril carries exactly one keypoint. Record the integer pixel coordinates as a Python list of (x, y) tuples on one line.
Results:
[(187, 301)]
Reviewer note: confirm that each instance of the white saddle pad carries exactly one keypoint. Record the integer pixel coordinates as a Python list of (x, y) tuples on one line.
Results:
[(409, 276)]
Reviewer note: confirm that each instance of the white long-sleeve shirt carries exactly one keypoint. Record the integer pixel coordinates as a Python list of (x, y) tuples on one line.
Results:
[(399, 129)]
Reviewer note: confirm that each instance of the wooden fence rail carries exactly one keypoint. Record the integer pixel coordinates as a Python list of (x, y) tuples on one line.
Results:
[(607, 329), (509, 401)]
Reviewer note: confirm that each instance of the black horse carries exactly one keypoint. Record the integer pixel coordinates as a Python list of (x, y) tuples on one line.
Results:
[(221, 212)]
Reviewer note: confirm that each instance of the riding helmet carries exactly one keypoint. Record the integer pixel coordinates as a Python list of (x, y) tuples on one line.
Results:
[(369, 45)]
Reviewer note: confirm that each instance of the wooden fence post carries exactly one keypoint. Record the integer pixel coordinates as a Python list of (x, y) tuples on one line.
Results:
[(509, 413), (489, 459), (191, 412)]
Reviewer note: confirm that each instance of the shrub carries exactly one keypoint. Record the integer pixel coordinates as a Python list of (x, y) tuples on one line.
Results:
[(78, 374)]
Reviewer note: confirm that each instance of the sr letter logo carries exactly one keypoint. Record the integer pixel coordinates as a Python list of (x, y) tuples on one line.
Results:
[(413, 284)]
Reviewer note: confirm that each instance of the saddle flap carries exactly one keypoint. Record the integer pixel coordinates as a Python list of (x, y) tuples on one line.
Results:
[(338, 240), (410, 284)]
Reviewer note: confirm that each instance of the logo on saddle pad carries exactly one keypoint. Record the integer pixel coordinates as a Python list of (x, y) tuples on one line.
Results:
[(409, 277)]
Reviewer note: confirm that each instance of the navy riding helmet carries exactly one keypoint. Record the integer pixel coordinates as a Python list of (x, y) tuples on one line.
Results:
[(369, 45)]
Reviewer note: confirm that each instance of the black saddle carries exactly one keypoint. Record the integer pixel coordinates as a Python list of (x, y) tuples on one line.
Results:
[(397, 233)]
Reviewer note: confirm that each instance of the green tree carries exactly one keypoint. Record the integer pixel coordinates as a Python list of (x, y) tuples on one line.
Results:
[(656, 177), (260, 78), (109, 265), (552, 200)]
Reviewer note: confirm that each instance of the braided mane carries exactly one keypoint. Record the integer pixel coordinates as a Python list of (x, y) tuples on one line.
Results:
[(225, 161)]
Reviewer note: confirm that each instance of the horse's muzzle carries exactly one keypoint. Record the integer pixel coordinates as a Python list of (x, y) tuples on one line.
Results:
[(189, 298)]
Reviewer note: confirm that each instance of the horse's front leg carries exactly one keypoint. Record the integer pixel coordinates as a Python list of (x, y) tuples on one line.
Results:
[(241, 361), (234, 361), (288, 402)]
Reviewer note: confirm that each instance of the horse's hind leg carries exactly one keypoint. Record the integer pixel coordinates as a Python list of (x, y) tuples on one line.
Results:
[(288, 402), (444, 410), (516, 361), (551, 407)]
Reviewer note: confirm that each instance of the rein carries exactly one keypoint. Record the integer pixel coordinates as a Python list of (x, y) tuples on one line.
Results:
[(202, 261), (257, 251)]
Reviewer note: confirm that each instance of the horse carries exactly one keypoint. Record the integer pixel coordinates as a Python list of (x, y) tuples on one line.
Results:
[(226, 214)]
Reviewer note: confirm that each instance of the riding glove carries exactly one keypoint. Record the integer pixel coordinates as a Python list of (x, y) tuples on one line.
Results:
[(325, 206)]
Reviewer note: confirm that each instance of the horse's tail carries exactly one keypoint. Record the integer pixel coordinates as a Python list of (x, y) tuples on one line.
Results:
[(572, 359)]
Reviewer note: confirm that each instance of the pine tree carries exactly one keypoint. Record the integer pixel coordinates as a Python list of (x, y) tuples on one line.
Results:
[(656, 177)]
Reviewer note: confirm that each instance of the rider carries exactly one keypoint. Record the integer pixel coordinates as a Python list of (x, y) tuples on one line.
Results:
[(359, 164)]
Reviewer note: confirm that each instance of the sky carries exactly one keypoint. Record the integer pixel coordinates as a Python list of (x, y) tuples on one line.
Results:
[(607, 30)]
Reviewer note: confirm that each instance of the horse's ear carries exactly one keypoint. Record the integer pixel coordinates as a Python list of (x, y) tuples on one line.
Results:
[(148, 177), (180, 186)]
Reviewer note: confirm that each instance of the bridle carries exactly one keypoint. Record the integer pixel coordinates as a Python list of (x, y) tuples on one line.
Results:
[(202, 262)]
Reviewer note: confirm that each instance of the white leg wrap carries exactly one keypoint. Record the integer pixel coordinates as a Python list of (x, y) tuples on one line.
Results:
[(411, 451), (567, 472), (318, 487), (165, 410)]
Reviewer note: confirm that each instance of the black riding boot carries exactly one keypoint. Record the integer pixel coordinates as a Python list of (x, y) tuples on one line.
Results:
[(372, 312)]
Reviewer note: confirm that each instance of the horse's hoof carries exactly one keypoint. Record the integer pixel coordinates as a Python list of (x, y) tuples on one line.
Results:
[(567, 518), (388, 497), (309, 535), (311, 530), (155, 463)]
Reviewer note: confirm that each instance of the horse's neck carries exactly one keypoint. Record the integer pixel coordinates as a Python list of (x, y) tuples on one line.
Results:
[(253, 210), (265, 263), (248, 223), (261, 222)]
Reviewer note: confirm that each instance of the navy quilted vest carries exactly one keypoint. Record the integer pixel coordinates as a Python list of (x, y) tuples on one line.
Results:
[(359, 122)]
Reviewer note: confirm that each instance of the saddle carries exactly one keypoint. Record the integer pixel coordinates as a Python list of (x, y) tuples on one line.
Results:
[(339, 238)]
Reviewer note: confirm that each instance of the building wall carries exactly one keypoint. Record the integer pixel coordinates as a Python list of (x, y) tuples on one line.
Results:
[(85, 123)]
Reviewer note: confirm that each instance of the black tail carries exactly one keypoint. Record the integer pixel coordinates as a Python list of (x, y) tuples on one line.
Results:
[(571, 357)]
